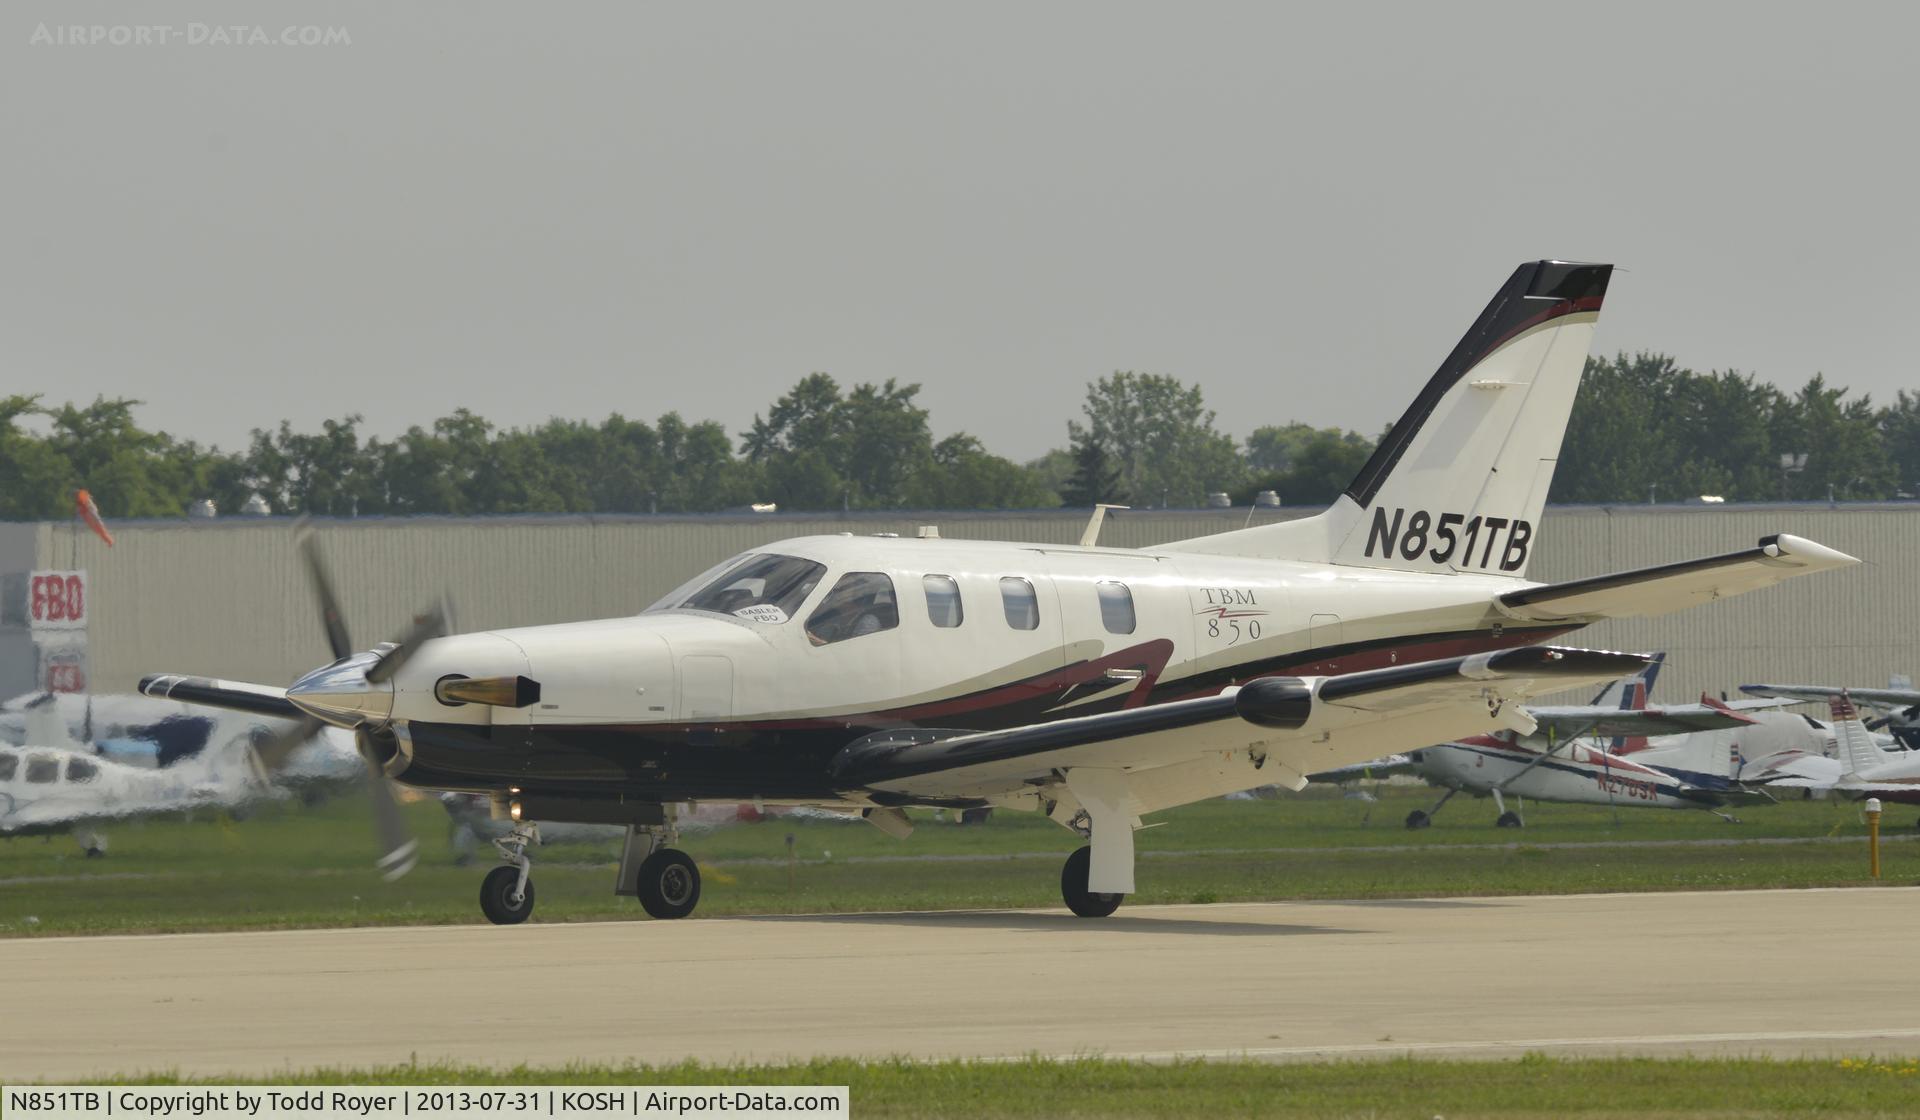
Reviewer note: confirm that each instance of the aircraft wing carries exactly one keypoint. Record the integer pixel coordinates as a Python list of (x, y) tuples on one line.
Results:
[(1365, 771), (1606, 721), (1886, 697), (1672, 587), (1290, 727)]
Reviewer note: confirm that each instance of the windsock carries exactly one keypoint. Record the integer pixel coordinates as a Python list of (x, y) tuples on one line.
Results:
[(90, 513)]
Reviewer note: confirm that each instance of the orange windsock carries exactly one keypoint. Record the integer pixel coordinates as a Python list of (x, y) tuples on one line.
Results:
[(90, 513)]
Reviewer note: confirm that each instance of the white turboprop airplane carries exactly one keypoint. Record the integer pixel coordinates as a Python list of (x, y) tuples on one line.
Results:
[(1093, 685), (1560, 761)]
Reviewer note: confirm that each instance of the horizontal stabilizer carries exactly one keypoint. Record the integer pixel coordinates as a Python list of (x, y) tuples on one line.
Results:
[(1673, 587), (238, 696)]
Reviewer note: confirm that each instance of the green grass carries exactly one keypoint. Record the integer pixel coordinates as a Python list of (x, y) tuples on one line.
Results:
[(290, 866), (1531, 1086)]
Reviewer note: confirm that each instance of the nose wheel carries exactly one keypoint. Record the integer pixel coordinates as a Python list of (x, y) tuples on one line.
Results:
[(505, 897), (506, 894)]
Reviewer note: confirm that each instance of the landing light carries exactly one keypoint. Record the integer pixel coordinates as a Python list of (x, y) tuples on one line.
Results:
[(513, 810)]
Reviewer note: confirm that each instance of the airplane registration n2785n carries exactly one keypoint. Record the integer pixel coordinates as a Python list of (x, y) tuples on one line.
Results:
[(1094, 685)]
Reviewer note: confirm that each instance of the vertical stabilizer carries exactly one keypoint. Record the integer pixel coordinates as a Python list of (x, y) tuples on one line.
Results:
[(1858, 752), (1459, 482)]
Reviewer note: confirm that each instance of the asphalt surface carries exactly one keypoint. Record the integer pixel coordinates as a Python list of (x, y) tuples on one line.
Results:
[(1789, 973)]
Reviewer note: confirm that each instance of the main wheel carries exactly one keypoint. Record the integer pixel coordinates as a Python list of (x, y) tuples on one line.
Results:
[(497, 901), (669, 884), (1509, 819), (1073, 888), (1418, 819)]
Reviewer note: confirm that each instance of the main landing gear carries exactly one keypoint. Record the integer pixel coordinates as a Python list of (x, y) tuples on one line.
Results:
[(663, 878), (1105, 819)]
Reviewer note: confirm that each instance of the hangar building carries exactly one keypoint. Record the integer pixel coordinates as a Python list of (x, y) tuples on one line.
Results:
[(226, 597)]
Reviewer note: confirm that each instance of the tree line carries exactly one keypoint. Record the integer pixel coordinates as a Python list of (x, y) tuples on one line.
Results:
[(1643, 429)]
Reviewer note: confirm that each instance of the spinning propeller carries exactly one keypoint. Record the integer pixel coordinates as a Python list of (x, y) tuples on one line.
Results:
[(348, 691)]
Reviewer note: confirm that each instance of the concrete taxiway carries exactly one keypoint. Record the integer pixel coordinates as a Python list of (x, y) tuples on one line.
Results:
[(1750, 972)]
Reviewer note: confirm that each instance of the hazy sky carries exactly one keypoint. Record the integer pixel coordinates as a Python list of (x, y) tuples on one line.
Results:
[(582, 208)]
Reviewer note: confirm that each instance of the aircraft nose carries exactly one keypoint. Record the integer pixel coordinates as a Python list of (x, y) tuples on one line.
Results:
[(341, 694)]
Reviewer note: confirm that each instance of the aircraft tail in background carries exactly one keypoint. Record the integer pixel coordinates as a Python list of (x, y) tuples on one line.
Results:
[(1858, 752)]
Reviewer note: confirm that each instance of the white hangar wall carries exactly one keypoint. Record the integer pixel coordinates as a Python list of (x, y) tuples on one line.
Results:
[(228, 598)]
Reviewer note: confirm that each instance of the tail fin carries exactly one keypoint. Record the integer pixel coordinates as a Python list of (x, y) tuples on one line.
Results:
[(1634, 694), (1858, 751), (1459, 482), (1633, 691)]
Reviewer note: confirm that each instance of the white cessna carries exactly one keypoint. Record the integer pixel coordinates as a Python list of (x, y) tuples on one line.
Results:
[(1094, 685)]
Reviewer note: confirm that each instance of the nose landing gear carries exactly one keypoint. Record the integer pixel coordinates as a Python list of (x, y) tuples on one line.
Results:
[(506, 894)]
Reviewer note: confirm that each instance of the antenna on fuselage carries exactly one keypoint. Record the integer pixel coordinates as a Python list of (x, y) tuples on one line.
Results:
[(1091, 535)]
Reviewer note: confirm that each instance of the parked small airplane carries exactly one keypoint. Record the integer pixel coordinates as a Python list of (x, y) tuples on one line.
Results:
[(117, 738), (1860, 767), (1898, 703), (1092, 685), (46, 790), (1560, 761)]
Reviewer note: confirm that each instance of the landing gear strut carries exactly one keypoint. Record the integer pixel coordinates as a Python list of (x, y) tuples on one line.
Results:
[(506, 894), (1421, 818), (1508, 818)]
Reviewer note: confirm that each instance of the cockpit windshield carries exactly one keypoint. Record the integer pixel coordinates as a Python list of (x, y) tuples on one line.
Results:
[(759, 589)]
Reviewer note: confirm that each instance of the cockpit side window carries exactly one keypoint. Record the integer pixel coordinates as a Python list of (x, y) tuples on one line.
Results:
[(861, 603), (9, 765), (1019, 602), (81, 769), (943, 601), (759, 589), (42, 768)]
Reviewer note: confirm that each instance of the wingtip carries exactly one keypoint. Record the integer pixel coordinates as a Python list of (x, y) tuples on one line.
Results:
[(1805, 553)]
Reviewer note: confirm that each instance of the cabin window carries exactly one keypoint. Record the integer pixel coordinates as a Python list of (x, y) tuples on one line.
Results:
[(1116, 607), (1020, 603), (42, 768), (759, 589), (9, 766), (943, 601), (861, 603), (81, 770)]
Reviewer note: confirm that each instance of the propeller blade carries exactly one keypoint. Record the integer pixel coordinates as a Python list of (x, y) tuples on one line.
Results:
[(399, 850), (330, 617), (425, 628), (273, 750)]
